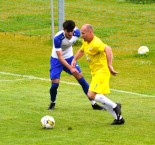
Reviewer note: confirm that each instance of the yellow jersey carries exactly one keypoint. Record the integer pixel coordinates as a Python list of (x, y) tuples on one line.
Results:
[(95, 56)]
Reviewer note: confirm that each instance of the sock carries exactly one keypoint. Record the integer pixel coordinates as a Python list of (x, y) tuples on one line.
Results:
[(84, 85), (53, 91), (111, 111), (92, 102), (104, 100)]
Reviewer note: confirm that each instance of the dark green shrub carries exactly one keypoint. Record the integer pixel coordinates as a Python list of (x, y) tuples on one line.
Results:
[(141, 1)]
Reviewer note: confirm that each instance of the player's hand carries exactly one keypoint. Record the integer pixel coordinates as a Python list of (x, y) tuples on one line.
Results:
[(74, 71), (73, 64), (112, 71)]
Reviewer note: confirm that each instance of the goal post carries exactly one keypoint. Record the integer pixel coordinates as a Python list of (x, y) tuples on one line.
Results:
[(52, 19), (61, 13)]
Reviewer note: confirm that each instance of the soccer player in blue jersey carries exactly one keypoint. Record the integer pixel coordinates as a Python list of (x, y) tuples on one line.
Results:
[(61, 58), (99, 57)]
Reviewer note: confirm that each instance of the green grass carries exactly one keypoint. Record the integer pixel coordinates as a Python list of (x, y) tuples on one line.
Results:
[(24, 100), (23, 103)]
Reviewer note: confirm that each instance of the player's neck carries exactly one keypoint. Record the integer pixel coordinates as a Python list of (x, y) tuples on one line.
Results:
[(90, 39)]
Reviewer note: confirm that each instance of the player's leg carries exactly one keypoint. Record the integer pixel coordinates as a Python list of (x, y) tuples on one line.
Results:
[(112, 107), (85, 86), (100, 86), (116, 120), (53, 93), (116, 108), (55, 71)]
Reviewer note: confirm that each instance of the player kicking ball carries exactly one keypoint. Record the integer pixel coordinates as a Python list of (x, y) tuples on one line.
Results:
[(61, 58)]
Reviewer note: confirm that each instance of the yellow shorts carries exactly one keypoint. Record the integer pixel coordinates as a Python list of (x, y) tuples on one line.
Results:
[(100, 83)]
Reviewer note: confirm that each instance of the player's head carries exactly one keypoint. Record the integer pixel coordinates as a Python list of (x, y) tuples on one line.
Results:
[(87, 32), (68, 27)]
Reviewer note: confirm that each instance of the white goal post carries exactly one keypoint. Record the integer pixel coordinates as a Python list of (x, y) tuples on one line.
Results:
[(61, 15)]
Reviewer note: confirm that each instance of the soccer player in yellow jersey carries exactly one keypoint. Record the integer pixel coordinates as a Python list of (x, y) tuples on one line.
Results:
[(99, 57)]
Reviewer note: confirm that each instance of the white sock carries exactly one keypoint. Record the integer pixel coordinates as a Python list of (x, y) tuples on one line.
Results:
[(111, 111), (104, 100), (92, 102)]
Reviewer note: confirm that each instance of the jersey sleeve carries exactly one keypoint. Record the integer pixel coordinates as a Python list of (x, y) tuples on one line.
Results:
[(58, 41), (76, 35), (100, 46), (76, 32)]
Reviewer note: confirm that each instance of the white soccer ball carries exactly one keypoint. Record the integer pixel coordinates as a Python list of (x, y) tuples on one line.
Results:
[(47, 122), (143, 50)]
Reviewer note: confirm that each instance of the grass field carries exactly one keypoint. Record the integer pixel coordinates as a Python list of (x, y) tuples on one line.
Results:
[(24, 86)]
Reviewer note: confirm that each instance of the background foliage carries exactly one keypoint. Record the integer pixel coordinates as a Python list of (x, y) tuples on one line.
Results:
[(141, 1)]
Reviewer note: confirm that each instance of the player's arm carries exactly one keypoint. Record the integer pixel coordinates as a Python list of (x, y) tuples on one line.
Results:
[(57, 45), (78, 55), (65, 63), (109, 55)]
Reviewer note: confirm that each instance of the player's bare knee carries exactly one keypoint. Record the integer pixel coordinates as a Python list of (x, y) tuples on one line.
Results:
[(91, 95), (78, 76)]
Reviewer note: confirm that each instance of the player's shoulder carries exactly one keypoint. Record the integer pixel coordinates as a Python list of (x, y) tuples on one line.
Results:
[(76, 32), (97, 40), (59, 35), (98, 43)]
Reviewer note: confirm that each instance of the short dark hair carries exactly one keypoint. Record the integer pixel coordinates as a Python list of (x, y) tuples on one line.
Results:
[(69, 25)]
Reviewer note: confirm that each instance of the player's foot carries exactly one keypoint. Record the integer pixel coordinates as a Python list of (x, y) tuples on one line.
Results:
[(51, 106), (98, 107), (117, 110), (118, 122)]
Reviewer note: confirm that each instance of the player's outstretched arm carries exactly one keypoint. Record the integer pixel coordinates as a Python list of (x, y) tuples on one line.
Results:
[(78, 55)]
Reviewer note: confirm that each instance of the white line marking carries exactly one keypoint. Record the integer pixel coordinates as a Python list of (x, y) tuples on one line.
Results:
[(13, 80), (132, 93), (71, 83)]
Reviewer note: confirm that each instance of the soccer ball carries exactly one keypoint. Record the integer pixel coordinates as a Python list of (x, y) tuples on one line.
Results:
[(47, 122), (143, 50)]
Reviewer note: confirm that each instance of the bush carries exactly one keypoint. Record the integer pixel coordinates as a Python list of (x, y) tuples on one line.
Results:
[(141, 1)]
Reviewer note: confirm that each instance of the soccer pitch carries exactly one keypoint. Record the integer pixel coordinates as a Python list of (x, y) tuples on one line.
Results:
[(24, 80), (24, 100)]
